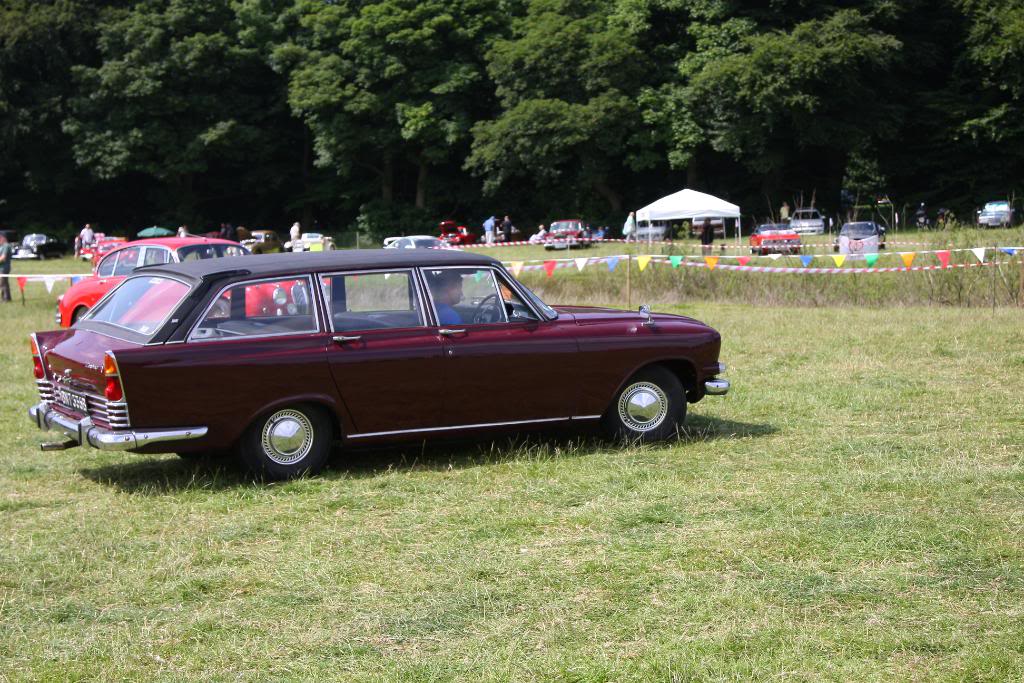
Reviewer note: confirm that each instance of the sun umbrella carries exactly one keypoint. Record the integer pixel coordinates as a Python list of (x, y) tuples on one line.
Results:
[(155, 231)]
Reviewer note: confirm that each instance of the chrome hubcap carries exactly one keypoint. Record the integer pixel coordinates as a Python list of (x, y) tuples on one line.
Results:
[(287, 437), (643, 406)]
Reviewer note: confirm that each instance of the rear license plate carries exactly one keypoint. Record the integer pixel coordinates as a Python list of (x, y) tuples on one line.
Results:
[(71, 400)]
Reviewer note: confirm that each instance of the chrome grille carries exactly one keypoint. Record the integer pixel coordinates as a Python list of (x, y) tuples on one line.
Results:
[(45, 387), (114, 415)]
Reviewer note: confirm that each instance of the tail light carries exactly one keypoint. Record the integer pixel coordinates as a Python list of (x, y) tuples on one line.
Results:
[(37, 360), (113, 390)]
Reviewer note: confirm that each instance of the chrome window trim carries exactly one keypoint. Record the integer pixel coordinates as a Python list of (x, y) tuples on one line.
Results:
[(424, 322), (494, 281), (119, 285), (240, 283), (157, 247)]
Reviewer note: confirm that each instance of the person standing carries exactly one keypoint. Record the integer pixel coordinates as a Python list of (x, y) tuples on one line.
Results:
[(707, 236), (489, 230), (5, 269), (784, 212), (293, 235), (88, 236), (506, 230), (629, 227)]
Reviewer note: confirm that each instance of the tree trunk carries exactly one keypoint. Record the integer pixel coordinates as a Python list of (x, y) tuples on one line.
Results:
[(421, 184), (610, 195), (387, 181)]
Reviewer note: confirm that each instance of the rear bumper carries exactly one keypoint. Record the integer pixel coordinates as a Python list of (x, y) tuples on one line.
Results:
[(716, 386), (85, 433)]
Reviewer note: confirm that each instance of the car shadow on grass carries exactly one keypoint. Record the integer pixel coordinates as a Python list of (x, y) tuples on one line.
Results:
[(167, 474)]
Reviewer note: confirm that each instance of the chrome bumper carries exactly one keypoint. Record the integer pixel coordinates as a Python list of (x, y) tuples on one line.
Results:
[(716, 387), (85, 433)]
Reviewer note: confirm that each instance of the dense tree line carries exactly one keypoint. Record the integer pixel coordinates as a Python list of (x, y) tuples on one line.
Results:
[(386, 115)]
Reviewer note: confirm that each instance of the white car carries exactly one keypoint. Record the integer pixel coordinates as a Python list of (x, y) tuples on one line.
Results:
[(996, 215), (414, 242), (862, 237), (311, 241), (807, 222)]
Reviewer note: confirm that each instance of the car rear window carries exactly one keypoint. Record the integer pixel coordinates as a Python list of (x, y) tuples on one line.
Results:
[(140, 304), (859, 231), (264, 308)]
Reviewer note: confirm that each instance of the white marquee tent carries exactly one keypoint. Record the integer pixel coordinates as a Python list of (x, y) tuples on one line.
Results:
[(687, 205)]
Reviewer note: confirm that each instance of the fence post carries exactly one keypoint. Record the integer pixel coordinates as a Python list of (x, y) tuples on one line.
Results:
[(629, 291), (1020, 293)]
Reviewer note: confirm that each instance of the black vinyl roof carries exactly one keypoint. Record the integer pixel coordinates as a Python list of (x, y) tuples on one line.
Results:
[(272, 265)]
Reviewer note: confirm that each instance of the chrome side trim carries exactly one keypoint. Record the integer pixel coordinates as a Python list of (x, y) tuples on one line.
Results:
[(480, 425), (716, 387), (85, 433), (585, 417)]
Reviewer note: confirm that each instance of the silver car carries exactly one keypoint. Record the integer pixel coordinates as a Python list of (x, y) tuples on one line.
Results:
[(996, 215)]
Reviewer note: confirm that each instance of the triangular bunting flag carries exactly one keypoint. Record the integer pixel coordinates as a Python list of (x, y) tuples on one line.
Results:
[(581, 263), (478, 275), (979, 253), (839, 259), (21, 283), (49, 282), (642, 262), (806, 260), (775, 257), (549, 267), (712, 261), (1008, 250), (908, 258), (871, 260), (943, 257), (75, 279), (743, 260), (612, 262), (675, 260), (516, 267)]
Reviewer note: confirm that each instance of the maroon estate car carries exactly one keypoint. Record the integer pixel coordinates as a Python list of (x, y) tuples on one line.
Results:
[(364, 346)]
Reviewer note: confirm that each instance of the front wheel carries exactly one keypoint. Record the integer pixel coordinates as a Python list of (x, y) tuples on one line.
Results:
[(287, 442), (650, 407)]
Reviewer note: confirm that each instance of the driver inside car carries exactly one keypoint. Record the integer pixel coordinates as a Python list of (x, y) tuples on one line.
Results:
[(446, 289)]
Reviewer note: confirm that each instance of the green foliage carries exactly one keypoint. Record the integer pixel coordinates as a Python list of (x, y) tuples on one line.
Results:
[(268, 111)]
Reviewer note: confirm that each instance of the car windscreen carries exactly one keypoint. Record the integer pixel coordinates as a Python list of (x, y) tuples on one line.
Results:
[(997, 206), (859, 231), (563, 226), (426, 243), (773, 227), (196, 252), (140, 305)]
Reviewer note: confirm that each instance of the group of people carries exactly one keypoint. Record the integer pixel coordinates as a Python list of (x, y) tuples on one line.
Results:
[(491, 226)]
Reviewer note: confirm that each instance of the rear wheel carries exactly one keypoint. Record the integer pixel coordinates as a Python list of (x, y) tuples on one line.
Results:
[(650, 407), (287, 442)]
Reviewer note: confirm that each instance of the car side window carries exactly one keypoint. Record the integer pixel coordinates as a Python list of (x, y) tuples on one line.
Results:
[(106, 268), (372, 301), (516, 309), (260, 309), (155, 255), (127, 261), (465, 296)]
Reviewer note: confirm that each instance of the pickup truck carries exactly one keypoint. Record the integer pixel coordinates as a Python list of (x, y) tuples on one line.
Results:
[(807, 222)]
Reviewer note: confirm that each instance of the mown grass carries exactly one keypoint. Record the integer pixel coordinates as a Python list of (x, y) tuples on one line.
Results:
[(852, 511)]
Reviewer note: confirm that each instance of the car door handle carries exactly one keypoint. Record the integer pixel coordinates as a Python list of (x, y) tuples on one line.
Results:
[(448, 332), (342, 338)]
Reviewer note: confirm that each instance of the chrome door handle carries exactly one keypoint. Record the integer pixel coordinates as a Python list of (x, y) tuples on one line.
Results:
[(448, 332), (341, 338)]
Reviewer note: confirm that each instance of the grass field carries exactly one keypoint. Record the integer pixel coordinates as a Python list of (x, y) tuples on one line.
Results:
[(851, 511)]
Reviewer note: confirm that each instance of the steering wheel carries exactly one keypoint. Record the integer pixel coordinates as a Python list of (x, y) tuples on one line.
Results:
[(481, 315)]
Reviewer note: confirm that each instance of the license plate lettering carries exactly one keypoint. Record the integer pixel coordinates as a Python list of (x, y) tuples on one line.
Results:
[(71, 400)]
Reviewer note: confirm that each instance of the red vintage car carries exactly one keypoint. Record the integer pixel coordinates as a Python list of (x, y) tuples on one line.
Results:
[(569, 233), (774, 238), (102, 246), (111, 269), (384, 345), (455, 235)]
